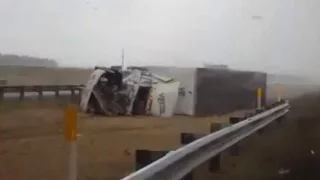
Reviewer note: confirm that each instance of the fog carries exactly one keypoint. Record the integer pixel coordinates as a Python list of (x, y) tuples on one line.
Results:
[(278, 36)]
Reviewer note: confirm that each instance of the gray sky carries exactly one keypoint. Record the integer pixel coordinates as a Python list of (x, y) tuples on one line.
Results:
[(270, 35)]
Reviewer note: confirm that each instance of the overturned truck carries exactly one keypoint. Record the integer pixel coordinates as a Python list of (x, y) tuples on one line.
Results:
[(134, 91)]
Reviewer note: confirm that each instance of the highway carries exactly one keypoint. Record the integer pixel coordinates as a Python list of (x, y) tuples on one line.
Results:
[(35, 95)]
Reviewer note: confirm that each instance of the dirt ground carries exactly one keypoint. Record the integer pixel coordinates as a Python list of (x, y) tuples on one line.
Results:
[(33, 147)]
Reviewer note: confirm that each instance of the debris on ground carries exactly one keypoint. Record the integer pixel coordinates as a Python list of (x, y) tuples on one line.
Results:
[(312, 152), (284, 171)]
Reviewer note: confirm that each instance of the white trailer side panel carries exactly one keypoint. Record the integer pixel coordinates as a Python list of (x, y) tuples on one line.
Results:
[(165, 96), (186, 77)]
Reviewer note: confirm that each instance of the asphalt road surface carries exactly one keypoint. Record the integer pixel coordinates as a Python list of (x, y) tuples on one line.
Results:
[(35, 95)]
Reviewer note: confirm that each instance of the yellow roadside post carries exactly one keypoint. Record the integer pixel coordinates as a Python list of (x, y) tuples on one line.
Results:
[(259, 96), (70, 118)]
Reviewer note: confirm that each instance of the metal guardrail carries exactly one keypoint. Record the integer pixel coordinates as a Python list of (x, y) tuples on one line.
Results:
[(40, 89), (177, 164)]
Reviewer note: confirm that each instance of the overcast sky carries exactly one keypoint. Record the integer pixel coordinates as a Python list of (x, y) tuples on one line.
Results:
[(270, 35)]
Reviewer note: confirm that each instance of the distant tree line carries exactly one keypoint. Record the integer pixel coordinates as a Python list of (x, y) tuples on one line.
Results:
[(15, 60)]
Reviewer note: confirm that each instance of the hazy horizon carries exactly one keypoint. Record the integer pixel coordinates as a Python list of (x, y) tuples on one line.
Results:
[(264, 35)]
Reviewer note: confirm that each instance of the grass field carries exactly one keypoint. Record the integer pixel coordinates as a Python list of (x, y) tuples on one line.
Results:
[(33, 147), (32, 141)]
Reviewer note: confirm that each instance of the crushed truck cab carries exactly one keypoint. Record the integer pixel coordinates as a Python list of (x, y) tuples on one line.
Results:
[(134, 91)]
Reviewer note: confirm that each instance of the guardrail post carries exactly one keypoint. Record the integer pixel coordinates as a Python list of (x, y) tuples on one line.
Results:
[(1, 93), (40, 92), (215, 162), (234, 150), (146, 157), (79, 94), (248, 115), (235, 120), (280, 119), (21, 90), (260, 131), (186, 138), (258, 111), (72, 92), (57, 91), (188, 177)]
